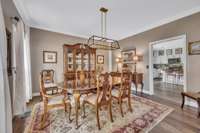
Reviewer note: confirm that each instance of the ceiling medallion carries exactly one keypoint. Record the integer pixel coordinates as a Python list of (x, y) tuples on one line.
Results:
[(101, 42)]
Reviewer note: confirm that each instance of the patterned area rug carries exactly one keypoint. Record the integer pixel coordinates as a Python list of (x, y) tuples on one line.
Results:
[(146, 114)]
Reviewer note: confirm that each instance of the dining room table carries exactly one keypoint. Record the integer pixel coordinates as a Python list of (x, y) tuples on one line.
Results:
[(78, 92)]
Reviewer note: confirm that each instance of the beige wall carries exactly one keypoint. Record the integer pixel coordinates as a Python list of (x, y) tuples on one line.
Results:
[(50, 41), (189, 26)]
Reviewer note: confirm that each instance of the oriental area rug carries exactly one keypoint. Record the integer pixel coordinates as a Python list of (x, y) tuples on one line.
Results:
[(146, 114)]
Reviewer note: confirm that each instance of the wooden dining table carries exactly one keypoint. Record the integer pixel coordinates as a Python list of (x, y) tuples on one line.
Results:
[(78, 92)]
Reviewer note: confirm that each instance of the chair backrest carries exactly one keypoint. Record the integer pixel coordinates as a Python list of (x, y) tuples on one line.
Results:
[(80, 79), (104, 87), (48, 75), (126, 79)]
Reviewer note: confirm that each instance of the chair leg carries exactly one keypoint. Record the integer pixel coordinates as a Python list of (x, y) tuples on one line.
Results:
[(70, 108), (110, 111), (65, 106), (83, 109), (120, 104), (97, 117), (77, 105), (129, 104), (41, 96), (118, 101), (44, 117), (43, 121)]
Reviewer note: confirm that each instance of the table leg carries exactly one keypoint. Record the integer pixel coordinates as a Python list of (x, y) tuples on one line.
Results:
[(77, 103), (136, 87), (183, 100)]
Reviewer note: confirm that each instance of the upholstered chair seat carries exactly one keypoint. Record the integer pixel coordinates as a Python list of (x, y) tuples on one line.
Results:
[(57, 100), (115, 93), (50, 85)]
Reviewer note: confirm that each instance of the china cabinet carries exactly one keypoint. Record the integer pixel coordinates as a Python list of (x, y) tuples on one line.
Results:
[(79, 58)]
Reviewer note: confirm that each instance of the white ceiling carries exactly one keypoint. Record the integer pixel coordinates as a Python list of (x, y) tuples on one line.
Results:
[(82, 17)]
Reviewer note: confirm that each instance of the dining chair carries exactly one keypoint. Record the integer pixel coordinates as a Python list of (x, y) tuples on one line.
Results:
[(124, 91), (53, 101), (48, 79), (101, 98)]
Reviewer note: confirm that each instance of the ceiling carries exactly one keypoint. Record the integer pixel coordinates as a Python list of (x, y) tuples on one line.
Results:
[(82, 17)]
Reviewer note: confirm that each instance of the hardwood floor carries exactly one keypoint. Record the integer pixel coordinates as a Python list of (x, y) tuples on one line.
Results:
[(168, 91), (179, 121)]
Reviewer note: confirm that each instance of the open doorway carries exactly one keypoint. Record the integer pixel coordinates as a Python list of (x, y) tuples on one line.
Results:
[(168, 59)]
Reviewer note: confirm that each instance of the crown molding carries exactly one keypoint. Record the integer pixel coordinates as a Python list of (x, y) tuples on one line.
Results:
[(22, 11), (163, 22), (60, 32)]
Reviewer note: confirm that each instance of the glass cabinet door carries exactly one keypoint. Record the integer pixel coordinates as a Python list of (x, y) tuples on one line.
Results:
[(86, 60), (69, 59), (92, 62), (78, 60), (92, 68)]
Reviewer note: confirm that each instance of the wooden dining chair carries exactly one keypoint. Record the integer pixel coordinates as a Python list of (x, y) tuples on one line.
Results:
[(48, 75), (53, 101), (48, 79), (124, 91), (101, 98)]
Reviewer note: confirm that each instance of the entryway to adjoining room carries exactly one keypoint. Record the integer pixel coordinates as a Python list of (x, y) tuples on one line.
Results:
[(168, 59)]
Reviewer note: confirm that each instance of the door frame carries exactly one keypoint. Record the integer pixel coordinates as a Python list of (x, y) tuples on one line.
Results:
[(151, 60)]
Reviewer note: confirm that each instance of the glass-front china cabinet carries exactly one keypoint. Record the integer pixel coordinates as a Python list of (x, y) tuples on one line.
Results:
[(79, 58)]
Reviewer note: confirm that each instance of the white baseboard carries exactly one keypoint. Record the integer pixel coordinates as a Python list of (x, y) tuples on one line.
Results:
[(144, 91), (36, 94), (139, 90)]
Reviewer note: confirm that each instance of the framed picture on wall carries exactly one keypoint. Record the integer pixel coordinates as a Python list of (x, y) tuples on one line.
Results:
[(178, 51), (100, 59), (155, 53), (127, 56), (49, 57), (169, 52), (194, 48), (161, 53)]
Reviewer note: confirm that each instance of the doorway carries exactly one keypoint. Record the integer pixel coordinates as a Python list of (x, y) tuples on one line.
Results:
[(168, 69)]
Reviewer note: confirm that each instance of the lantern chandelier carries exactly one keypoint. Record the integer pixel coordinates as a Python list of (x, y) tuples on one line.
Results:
[(101, 42)]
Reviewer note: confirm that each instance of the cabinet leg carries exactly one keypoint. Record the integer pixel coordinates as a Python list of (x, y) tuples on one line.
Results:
[(198, 102), (183, 100), (136, 88), (142, 85)]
